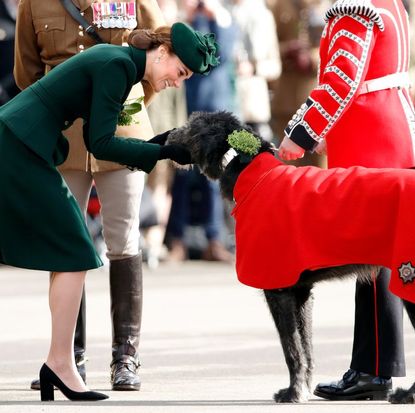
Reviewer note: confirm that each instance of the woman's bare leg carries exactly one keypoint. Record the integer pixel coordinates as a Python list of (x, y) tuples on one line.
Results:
[(65, 291)]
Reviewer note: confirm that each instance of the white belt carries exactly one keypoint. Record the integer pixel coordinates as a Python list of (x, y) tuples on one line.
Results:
[(395, 80)]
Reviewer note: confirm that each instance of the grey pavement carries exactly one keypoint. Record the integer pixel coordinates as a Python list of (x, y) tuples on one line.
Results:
[(208, 344)]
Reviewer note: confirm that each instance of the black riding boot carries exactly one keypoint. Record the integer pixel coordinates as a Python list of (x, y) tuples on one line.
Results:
[(126, 288), (79, 344), (80, 338)]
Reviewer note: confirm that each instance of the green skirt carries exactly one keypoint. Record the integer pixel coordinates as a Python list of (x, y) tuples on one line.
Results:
[(41, 224)]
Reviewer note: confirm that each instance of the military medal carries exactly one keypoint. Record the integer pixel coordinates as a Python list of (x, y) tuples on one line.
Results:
[(111, 15), (97, 15), (105, 13), (132, 15)]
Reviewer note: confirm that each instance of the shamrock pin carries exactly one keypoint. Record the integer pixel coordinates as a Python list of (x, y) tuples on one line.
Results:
[(245, 143)]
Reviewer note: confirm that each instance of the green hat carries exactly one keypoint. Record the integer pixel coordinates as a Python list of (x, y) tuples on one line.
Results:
[(196, 50)]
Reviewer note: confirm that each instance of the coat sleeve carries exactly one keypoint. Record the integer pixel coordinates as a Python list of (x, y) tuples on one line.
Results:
[(109, 90), (349, 41), (28, 66)]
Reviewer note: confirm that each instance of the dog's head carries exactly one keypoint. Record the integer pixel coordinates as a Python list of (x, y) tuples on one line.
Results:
[(205, 135)]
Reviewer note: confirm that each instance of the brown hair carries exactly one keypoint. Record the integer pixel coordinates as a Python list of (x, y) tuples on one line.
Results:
[(151, 39)]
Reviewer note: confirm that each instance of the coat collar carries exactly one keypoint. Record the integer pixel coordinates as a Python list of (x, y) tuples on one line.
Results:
[(139, 58), (82, 5)]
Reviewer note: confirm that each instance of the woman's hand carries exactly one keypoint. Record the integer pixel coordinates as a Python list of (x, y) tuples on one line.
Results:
[(176, 153), (161, 138), (289, 151)]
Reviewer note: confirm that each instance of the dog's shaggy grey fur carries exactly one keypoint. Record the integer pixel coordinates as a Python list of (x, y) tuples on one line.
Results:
[(205, 136)]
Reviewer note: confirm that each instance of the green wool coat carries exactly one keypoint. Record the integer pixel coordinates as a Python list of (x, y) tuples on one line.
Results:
[(91, 85), (41, 225)]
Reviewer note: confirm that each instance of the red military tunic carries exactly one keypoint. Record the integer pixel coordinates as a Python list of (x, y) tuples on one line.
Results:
[(292, 219), (361, 105)]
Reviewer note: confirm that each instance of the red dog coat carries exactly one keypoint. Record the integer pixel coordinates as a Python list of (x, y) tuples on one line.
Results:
[(291, 219)]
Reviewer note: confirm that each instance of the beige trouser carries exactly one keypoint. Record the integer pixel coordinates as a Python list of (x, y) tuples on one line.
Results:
[(119, 193)]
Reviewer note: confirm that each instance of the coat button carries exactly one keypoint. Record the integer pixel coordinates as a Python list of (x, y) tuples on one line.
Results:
[(46, 26), (81, 33), (80, 27), (81, 47)]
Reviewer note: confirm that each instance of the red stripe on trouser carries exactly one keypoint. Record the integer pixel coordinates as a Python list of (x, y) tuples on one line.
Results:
[(376, 323)]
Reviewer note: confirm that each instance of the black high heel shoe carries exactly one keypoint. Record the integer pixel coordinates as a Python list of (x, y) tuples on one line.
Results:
[(48, 379)]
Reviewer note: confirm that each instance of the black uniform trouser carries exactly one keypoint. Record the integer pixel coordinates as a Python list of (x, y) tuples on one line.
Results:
[(378, 346)]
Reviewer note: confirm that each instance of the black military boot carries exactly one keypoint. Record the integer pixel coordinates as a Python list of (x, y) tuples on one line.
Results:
[(126, 289), (79, 344)]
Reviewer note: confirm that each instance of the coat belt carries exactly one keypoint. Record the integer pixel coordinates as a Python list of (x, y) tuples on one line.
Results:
[(398, 80)]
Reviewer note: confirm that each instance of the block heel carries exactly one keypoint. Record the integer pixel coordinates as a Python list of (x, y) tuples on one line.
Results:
[(48, 379), (46, 391)]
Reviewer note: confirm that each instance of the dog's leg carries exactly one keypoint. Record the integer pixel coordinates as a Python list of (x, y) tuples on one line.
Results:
[(283, 307), (402, 396), (305, 300)]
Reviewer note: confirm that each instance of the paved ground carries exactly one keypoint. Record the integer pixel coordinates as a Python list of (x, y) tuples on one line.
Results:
[(208, 344)]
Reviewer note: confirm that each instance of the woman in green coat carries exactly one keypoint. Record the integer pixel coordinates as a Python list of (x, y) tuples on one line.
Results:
[(41, 225)]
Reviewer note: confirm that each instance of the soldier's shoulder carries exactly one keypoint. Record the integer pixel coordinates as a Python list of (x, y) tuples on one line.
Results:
[(356, 7), (42, 9)]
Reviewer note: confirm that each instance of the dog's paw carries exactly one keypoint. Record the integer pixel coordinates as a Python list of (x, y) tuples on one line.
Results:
[(402, 396), (289, 395)]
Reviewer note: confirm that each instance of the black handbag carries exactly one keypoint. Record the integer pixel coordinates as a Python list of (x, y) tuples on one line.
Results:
[(76, 14)]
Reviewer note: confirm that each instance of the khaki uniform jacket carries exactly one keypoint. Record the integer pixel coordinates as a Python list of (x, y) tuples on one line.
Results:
[(46, 35), (293, 19)]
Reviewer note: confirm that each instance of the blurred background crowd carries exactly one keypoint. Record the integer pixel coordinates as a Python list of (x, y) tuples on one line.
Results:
[(269, 60)]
